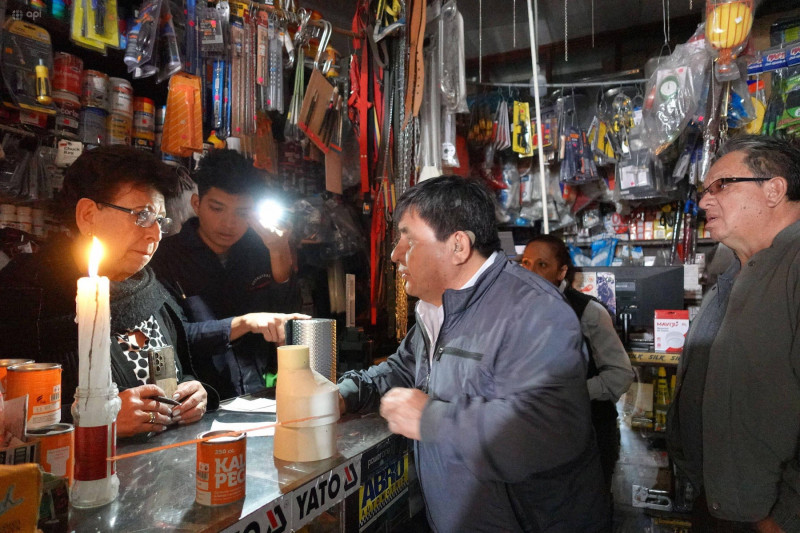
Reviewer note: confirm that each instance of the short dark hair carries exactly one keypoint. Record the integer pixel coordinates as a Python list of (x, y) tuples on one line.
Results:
[(452, 203), (99, 173), (228, 171), (768, 157), (561, 252)]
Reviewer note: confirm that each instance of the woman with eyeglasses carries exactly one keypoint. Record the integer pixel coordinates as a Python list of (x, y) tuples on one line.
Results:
[(117, 194)]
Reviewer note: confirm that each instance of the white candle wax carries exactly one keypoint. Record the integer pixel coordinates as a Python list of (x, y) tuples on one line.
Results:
[(94, 330)]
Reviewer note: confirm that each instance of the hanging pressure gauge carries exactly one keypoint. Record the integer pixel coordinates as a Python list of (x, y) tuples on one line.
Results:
[(668, 88)]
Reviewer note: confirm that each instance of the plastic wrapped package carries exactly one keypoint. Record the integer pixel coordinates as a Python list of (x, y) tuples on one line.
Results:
[(579, 259), (449, 154), (740, 109), (558, 212), (142, 37), (639, 176), (14, 170), (577, 165), (508, 199), (603, 252), (673, 94), (453, 82)]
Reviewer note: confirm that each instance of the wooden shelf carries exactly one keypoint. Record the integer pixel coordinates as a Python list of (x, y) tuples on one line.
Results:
[(654, 358)]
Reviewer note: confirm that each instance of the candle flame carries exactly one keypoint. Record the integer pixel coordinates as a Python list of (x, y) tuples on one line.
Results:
[(95, 255)]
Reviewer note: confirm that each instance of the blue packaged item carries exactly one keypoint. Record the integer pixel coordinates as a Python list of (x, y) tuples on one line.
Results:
[(603, 252)]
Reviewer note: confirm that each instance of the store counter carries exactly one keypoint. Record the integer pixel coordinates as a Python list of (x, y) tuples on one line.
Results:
[(157, 490)]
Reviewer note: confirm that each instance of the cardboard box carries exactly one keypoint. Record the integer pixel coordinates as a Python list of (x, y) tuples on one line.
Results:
[(670, 330), (19, 449)]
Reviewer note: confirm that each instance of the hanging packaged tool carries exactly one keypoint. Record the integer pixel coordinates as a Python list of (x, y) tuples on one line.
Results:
[(451, 59), (211, 36), (94, 24), (275, 95), (522, 142), (183, 124), (142, 36), (290, 130), (317, 118), (169, 56), (27, 56), (578, 165), (502, 128)]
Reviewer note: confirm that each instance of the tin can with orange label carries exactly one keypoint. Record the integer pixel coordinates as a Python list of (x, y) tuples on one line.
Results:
[(221, 471), (42, 383), (5, 363), (56, 449)]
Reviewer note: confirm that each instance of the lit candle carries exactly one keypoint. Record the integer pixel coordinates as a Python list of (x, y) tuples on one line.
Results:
[(94, 326)]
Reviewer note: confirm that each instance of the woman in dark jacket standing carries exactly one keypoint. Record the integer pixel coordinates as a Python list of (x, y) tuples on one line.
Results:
[(117, 194)]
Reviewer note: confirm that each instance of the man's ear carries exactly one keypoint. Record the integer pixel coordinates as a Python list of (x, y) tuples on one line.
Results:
[(776, 190), (195, 201), (85, 213), (462, 247)]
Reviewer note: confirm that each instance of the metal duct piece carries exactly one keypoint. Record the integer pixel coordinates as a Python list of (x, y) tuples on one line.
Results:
[(319, 334)]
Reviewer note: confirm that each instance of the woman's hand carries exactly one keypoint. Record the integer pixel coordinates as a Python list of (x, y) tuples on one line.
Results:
[(194, 400), (271, 325), (140, 413)]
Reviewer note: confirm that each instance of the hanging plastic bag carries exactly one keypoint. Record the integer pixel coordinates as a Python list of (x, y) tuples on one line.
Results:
[(674, 92), (452, 62)]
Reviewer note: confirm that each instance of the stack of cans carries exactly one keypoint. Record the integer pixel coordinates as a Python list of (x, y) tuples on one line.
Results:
[(67, 74), (120, 117), (94, 110), (144, 125)]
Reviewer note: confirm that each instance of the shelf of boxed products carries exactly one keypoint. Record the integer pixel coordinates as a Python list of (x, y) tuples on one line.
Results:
[(642, 242)]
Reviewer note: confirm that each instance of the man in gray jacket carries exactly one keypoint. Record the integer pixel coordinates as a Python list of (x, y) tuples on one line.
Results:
[(490, 383), (734, 425)]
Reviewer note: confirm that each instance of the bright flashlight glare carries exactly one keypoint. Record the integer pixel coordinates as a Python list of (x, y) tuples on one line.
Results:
[(270, 213)]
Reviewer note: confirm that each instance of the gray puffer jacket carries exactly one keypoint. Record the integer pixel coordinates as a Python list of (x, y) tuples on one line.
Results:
[(507, 441)]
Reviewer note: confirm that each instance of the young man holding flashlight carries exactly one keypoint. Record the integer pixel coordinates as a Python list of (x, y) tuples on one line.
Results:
[(224, 262)]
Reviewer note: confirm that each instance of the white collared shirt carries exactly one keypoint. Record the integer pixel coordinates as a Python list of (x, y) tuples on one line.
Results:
[(432, 316)]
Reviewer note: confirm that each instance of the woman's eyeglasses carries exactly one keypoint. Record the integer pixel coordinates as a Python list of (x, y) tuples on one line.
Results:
[(716, 186), (144, 218)]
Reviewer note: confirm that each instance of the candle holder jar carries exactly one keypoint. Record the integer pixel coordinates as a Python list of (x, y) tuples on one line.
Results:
[(94, 412)]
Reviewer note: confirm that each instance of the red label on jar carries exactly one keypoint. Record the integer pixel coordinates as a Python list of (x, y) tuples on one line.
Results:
[(93, 445)]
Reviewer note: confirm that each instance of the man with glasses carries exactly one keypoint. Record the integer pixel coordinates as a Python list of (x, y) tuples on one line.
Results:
[(491, 381), (225, 263), (734, 425)]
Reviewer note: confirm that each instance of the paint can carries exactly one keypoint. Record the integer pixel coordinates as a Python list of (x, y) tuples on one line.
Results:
[(93, 126), (67, 71), (94, 89), (221, 471), (5, 363), (121, 97), (68, 108), (42, 383), (56, 449), (119, 129), (144, 118)]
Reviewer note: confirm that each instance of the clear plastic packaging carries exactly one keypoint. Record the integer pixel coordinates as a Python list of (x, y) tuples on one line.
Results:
[(142, 37), (673, 94), (453, 81)]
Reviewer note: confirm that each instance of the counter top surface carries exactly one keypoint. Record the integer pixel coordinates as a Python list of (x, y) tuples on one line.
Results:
[(157, 490)]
